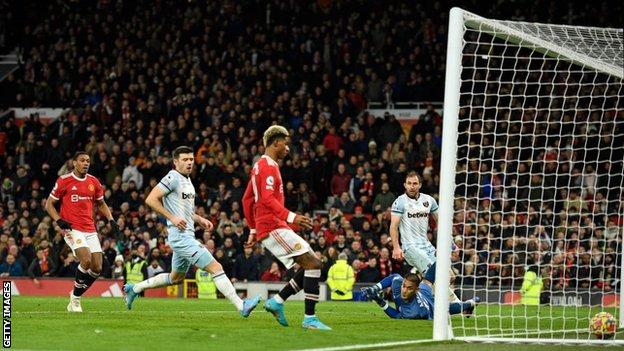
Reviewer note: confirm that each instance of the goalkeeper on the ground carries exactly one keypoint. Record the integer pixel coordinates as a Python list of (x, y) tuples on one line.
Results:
[(413, 297)]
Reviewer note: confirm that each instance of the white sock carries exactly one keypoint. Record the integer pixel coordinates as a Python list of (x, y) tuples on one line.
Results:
[(163, 279), (278, 298), (227, 289)]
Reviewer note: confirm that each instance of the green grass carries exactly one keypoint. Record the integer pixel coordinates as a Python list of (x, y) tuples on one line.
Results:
[(176, 324)]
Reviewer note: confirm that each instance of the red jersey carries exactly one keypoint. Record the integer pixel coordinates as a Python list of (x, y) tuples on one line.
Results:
[(77, 197), (263, 202)]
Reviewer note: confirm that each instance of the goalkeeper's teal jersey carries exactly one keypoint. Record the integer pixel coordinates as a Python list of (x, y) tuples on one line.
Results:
[(414, 222)]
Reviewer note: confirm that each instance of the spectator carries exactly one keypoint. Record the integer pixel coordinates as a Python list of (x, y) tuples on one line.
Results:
[(345, 204), (11, 268), (245, 266), (370, 273), (154, 268), (273, 274), (41, 266), (131, 173), (332, 142), (118, 268), (68, 270), (383, 200), (340, 181)]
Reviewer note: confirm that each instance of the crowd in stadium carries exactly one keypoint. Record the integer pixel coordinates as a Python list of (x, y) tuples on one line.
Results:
[(214, 77)]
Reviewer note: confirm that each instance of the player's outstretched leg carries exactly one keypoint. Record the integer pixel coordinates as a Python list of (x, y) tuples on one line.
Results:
[(132, 291), (275, 305), (224, 285)]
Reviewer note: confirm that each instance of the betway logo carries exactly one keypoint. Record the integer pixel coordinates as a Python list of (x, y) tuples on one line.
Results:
[(113, 291), (417, 215)]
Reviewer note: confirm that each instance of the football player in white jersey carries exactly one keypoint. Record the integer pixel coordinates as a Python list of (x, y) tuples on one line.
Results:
[(410, 223)]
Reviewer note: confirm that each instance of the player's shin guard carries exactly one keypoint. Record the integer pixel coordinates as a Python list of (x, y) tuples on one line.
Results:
[(293, 287), (84, 279), (311, 288), (227, 289), (157, 281)]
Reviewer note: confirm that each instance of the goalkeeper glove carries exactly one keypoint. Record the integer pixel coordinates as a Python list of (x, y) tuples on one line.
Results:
[(379, 298), (370, 292), (63, 224)]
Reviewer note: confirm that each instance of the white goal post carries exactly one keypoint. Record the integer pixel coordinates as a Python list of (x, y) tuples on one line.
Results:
[(531, 180)]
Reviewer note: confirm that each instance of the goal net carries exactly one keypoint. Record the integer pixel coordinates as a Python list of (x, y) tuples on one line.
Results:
[(531, 179)]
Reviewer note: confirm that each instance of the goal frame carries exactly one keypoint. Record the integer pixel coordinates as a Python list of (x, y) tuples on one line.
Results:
[(458, 20)]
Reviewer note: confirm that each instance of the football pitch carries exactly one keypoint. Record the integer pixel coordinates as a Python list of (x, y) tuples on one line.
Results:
[(42, 323)]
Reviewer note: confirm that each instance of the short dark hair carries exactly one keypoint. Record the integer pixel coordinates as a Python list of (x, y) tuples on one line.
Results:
[(414, 278), (78, 154), (413, 174), (181, 150)]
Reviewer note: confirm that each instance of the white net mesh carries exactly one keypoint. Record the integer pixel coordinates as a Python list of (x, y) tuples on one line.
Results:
[(539, 179)]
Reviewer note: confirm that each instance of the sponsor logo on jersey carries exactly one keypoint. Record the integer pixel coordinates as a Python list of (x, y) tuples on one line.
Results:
[(188, 196), (76, 198), (417, 215), (270, 182)]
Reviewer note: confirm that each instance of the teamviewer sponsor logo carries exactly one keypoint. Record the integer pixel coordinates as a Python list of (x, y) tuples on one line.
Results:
[(6, 314)]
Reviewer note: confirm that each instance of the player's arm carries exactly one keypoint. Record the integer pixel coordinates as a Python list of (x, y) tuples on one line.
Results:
[(203, 222), (397, 253), (50, 207), (395, 218), (434, 215), (248, 210), (389, 310), (154, 200), (264, 182), (104, 209)]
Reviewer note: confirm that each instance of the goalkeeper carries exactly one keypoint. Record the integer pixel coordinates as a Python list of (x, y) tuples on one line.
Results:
[(413, 297)]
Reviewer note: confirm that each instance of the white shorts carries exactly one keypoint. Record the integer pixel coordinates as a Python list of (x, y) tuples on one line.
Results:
[(419, 257), (286, 245), (77, 239)]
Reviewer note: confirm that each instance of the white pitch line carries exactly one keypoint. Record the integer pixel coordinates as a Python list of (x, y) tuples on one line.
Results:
[(370, 346)]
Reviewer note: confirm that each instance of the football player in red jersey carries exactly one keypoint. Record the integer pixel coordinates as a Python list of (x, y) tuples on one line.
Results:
[(77, 192), (263, 205)]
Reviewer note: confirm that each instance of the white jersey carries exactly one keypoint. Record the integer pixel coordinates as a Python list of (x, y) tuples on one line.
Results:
[(179, 198), (414, 222)]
